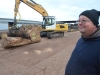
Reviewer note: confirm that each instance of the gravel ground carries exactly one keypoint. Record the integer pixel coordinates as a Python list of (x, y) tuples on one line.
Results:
[(48, 57)]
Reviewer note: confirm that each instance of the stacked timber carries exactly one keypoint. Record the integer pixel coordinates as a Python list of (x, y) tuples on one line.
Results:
[(13, 41), (24, 29), (26, 34)]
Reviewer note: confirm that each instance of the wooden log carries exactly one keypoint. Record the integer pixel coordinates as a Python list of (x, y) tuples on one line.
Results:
[(22, 36)]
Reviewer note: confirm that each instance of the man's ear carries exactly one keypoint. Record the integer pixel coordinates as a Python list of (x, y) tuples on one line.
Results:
[(95, 26)]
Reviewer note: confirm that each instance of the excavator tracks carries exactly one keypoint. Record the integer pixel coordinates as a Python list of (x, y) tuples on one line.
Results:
[(51, 35)]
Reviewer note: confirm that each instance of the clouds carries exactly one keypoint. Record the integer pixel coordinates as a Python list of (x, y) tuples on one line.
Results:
[(61, 9)]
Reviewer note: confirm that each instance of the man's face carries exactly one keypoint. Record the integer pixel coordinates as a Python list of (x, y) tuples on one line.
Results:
[(85, 26)]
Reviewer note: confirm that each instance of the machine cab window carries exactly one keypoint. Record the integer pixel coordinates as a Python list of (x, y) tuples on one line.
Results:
[(48, 21)]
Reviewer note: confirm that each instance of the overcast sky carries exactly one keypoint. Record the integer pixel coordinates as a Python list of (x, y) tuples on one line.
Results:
[(63, 10)]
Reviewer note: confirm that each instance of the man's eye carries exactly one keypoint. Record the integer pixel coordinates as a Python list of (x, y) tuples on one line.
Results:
[(84, 20)]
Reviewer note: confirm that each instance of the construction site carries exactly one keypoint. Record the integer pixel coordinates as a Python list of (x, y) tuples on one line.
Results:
[(48, 57), (36, 48)]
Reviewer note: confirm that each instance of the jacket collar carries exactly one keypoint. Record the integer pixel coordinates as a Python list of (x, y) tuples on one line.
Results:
[(96, 34)]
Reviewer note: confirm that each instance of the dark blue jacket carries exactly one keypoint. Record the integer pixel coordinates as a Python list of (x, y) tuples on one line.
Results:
[(85, 58)]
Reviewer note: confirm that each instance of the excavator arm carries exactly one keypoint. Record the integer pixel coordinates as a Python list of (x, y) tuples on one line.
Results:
[(35, 6), (17, 3), (31, 4), (49, 26)]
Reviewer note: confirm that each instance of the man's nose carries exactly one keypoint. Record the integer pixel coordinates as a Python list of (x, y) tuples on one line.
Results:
[(79, 22)]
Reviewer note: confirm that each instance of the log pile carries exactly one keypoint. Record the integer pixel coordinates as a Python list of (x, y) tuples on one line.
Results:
[(25, 35)]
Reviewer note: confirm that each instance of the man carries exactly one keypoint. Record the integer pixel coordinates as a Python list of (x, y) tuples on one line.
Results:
[(85, 58)]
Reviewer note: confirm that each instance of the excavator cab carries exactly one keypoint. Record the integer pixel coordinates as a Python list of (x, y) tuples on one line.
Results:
[(48, 22)]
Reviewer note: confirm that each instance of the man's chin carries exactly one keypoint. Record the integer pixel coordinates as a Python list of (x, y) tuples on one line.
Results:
[(82, 30)]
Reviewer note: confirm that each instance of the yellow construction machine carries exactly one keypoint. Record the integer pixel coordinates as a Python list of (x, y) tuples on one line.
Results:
[(49, 26)]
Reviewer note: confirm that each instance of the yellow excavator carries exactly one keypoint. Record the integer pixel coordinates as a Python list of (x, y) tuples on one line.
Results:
[(49, 26)]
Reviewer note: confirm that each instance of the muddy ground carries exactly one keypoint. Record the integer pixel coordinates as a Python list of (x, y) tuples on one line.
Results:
[(48, 57)]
